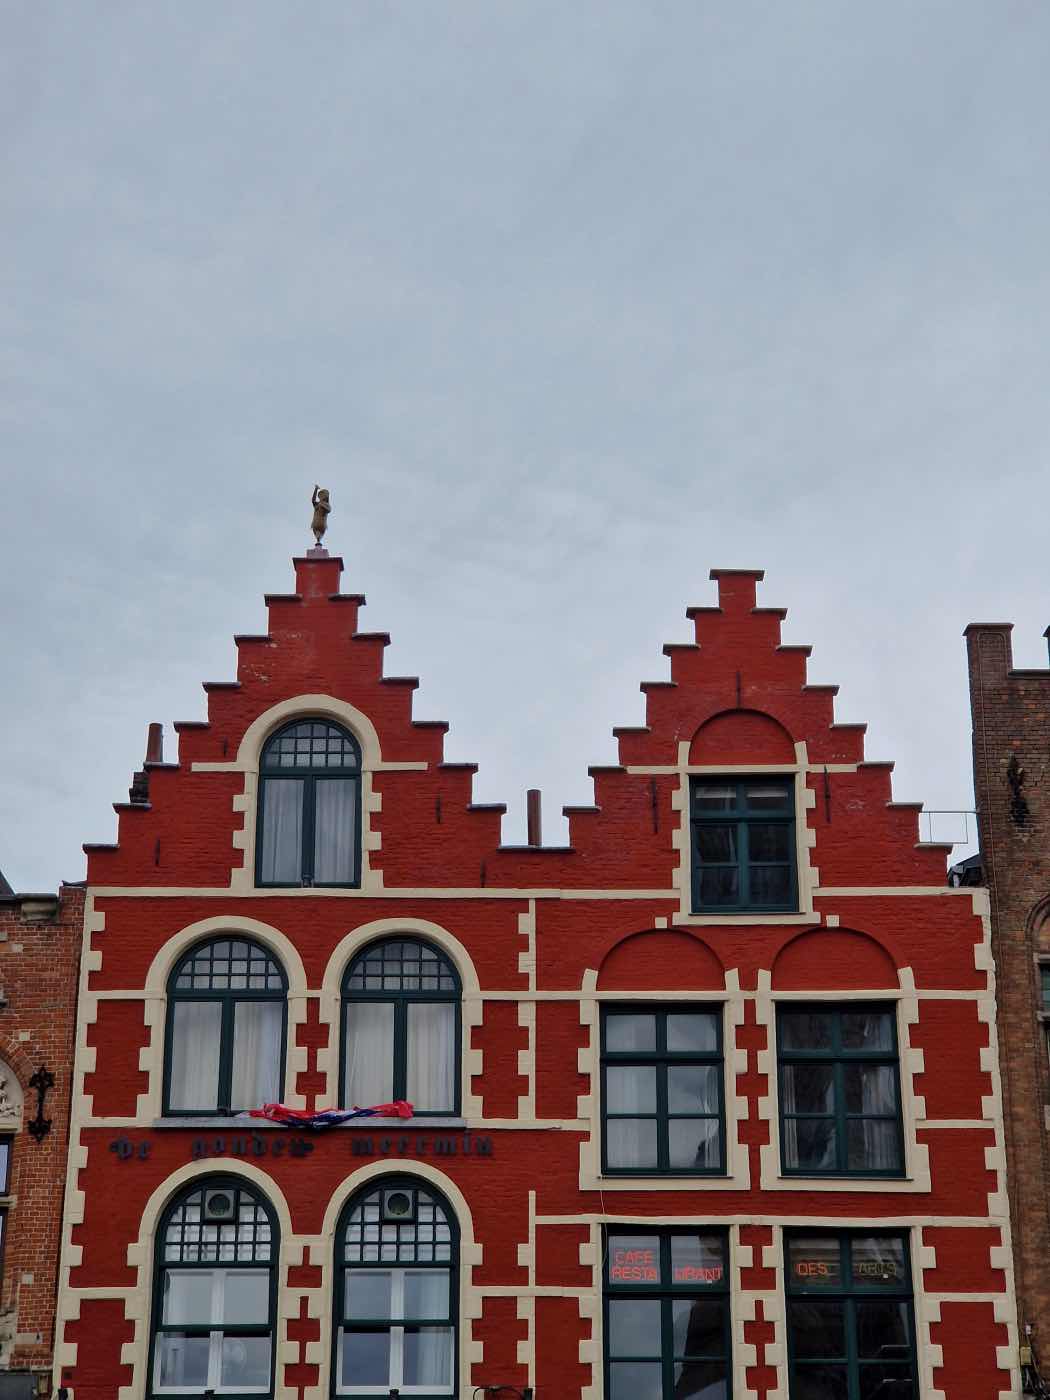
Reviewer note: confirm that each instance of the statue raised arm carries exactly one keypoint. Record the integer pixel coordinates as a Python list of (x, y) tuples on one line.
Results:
[(322, 507)]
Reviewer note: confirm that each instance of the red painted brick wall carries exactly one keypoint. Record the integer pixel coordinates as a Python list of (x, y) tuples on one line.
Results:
[(607, 916)]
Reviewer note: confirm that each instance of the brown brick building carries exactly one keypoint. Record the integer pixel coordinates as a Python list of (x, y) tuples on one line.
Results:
[(40, 936), (1011, 760)]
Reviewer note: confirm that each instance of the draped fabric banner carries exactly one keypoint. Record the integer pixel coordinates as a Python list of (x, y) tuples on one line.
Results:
[(327, 1117)]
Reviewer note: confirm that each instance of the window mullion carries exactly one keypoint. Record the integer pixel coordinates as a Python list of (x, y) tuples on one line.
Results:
[(224, 1096)]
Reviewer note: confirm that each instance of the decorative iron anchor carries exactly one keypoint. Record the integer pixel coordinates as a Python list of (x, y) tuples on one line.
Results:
[(42, 1081)]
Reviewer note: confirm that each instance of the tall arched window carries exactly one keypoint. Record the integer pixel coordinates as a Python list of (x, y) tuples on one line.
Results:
[(309, 806), (227, 1001), (401, 1027), (396, 1294), (215, 1290)]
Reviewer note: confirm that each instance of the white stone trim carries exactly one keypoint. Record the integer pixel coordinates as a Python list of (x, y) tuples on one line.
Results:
[(321, 1249), (330, 1011), (808, 876), (245, 803), (737, 1176), (913, 1106), (154, 994)]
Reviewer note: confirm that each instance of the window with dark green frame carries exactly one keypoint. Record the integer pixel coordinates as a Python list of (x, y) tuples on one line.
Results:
[(227, 1013), (309, 807), (662, 1090), (851, 1327), (214, 1292), (840, 1110), (396, 1293), (743, 843), (401, 1027), (667, 1317)]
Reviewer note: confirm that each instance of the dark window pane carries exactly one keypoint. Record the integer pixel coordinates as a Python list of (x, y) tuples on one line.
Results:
[(818, 1328), (716, 843), (873, 1144), (870, 1088), (806, 1030), (809, 1144), (634, 1259), (634, 1327), (814, 1261), (1044, 984), (879, 1261), (867, 1030), (701, 1380), (808, 1088), (635, 1380), (699, 1326), (886, 1383), (630, 1033), (692, 1031), (770, 884), (882, 1330), (697, 1259), (630, 1089), (365, 1358), (719, 884), (182, 1361), (631, 1142), (714, 797), (819, 1383), (769, 797), (282, 834), (692, 1088), (694, 1144), (769, 841), (245, 1362)]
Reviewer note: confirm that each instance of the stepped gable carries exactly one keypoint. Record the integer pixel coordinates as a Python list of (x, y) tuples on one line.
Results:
[(736, 696)]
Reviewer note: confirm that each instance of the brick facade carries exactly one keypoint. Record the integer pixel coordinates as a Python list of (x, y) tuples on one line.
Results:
[(40, 940), (1011, 751), (541, 939)]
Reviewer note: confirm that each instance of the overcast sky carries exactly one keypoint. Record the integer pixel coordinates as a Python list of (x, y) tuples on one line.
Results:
[(565, 303)]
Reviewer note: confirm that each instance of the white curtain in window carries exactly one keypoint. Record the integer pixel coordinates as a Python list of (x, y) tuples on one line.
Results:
[(257, 1029), (428, 1358), (195, 1036), (335, 836), (369, 1073), (431, 1056), (282, 834)]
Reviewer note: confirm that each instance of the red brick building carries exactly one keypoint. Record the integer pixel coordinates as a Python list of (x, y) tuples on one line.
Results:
[(40, 938), (1011, 744), (705, 1102)]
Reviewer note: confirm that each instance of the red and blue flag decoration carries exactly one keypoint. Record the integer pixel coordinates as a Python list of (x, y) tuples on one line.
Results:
[(328, 1117)]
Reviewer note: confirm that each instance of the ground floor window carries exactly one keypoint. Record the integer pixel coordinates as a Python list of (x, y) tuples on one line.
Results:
[(213, 1307), (851, 1330), (396, 1302), (666, 1315)]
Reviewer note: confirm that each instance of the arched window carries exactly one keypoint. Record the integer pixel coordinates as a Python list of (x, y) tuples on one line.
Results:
[(397, 1287), (215, 1287), (226, 1027), (401, 1027), (309, 806)]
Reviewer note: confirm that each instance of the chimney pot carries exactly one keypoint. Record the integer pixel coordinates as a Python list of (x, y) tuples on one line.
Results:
[(532, 811), (155, 744)]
